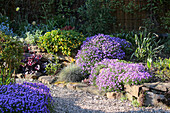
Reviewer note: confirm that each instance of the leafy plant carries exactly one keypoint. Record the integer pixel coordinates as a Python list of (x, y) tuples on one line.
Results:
[(97, 48), (51, 68), (149, 63), (5, 77), (32, 38), (11, 53), (29, 97), (135, 103), (32, 63), (4, 19), (71, 73), (158, 15), (167, 45), (112, 75), (5, 29), (162, 68), (95, 17), (146, 46), (63, 41), (123, 98), (66, 14)]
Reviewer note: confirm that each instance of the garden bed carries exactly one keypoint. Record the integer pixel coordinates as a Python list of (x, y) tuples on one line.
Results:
[(149, 94)]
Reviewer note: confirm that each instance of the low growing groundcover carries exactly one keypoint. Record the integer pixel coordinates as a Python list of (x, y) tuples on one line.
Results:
[(25, 98)]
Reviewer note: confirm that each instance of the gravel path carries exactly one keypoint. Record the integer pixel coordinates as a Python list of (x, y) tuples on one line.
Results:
[(72, 101)]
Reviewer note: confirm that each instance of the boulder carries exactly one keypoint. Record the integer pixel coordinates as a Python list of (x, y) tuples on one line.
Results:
[(164, 87), (153, 99), (45, 79), (133, 90), (17, 75), (114, 95), (129, 96), (71, 86), (36, 75)]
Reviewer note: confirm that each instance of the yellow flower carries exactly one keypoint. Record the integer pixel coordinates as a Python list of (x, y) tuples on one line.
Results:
[(17, 9), (72, 60)]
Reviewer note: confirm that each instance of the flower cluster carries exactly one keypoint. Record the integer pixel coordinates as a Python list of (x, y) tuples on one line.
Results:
[(112, 74), (97, 48), (5, 29), (25, 98), (32, 64)]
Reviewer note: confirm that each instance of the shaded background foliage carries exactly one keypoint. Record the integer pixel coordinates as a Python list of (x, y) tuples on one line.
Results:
[(107, 15)]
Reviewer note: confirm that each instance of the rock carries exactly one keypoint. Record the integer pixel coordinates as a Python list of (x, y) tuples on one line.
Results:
[(36, 75), (65, 63), (141, 98), (158, 86), (31, 80), (133, 90), (129, 96), (145, 89), (45, 79), (28, 76), (65, 58), (153, 99), (17, 75), (61, 85), (113, 95), (96, 91), (81, 86), (71, 86)]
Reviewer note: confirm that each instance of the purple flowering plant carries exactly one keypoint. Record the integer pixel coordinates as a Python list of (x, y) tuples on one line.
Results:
[(25, 98), (113, 74), (97, 48)]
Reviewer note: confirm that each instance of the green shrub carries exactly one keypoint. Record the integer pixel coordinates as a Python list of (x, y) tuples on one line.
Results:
[(167, 45), (11, 53), (71, 73), (95, 17), (146, 46), (32, 38), (61, 41), (52, 68), (162, 68)]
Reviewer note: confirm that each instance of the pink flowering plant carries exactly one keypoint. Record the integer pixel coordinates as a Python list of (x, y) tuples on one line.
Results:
[(25, 98), (113, 74), (97, 48)]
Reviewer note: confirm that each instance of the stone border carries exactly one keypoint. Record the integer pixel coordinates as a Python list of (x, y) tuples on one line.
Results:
[(148, 94)]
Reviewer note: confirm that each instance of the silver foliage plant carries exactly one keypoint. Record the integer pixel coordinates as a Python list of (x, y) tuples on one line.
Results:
[(71, 73)]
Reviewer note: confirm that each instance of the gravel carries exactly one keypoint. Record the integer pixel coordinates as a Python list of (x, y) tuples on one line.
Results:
[(76, 101)]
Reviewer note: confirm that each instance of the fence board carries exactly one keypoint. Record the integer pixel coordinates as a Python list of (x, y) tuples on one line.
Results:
[(30, 9)]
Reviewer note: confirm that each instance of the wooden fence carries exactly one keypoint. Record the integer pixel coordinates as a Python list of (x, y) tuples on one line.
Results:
[(32, 10)]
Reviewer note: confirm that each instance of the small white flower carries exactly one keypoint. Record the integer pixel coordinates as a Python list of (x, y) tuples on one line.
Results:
[(33, 23)]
